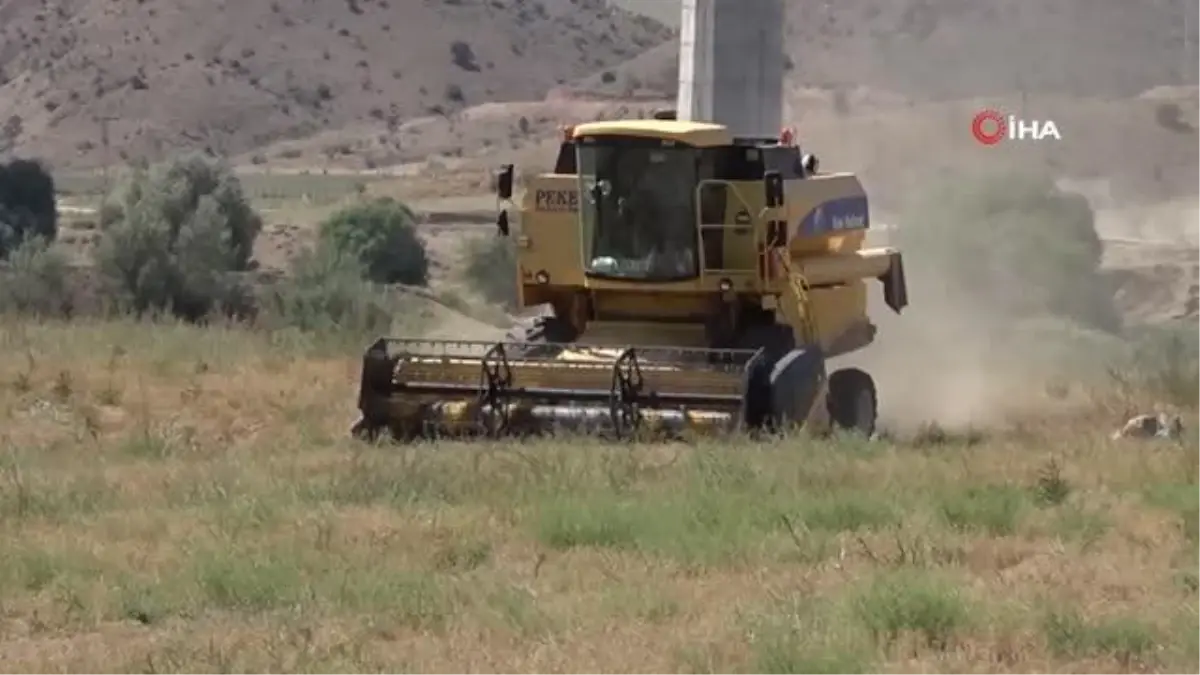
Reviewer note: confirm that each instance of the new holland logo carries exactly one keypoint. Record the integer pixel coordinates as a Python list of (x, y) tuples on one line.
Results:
[(853, 221), (836, 215)]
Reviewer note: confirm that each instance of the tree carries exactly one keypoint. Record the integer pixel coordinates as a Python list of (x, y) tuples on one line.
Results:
[(382, 235), (27, 204), (176, 237)]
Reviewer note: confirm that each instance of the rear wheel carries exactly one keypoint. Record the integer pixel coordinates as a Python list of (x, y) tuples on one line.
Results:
[(852, 402)]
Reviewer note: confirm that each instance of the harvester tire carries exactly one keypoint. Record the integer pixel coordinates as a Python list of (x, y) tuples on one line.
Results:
[(852, 401), (795, 383), (364, 431), (544, 329), (776, 385)]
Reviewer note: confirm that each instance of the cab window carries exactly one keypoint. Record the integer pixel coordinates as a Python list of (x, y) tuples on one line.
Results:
[(565, 164)]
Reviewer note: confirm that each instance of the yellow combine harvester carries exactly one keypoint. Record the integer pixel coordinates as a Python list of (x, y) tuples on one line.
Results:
[(695, 281)]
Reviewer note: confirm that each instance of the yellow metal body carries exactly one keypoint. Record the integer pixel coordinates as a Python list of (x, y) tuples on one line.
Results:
[(819, 285)]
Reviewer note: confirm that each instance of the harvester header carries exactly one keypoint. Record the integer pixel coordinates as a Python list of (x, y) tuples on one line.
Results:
[(421, 388)]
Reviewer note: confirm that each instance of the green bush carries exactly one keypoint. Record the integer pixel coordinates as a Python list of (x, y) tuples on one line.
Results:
[(27, 204), (327, 292), (34, 280), (491, 269), (1011, 242), (382, 234), (177, 236)]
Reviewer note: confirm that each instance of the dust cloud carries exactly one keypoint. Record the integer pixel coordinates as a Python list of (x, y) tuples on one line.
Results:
[(963, 358), (981, 342), (959, 366)]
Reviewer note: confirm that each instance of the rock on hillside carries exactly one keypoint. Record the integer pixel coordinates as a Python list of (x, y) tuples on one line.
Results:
[(941, 49), (231, 75)]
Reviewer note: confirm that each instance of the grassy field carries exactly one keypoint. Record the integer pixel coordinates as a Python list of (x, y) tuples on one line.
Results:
[(178, 498)]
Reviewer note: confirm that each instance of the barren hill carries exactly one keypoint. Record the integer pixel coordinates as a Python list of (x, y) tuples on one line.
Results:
[(231, 75), (941, 49)]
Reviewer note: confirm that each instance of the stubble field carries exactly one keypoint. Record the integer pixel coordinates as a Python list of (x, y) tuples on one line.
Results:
[(177, 498)]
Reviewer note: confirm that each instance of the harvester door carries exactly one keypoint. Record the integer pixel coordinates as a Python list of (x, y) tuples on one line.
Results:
[(726, 229)]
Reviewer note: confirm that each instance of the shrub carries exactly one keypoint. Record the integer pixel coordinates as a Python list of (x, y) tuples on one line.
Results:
[(27, 204), (1012, 242), (327, 292), (34, 280), (492, 269), (176, 236), (382, 235)]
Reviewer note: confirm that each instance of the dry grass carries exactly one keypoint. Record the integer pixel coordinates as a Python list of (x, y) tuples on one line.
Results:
[(189, 501)]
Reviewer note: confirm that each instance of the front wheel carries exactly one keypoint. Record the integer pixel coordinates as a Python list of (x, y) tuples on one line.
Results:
[(852, 401)]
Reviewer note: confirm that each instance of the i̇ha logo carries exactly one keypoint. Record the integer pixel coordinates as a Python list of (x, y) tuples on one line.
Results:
[(989, 127)]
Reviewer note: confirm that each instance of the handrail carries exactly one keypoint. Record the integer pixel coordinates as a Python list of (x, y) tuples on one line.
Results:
[(799, 287)]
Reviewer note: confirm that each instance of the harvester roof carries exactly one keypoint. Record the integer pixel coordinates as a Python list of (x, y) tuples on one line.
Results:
[(697, 134)]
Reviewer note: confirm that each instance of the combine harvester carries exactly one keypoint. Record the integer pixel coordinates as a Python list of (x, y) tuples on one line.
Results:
[(700, 271)]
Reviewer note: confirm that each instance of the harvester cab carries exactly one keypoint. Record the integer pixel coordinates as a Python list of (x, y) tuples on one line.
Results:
[(693, 280)]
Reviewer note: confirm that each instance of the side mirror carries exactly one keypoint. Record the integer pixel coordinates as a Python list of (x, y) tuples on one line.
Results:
[(504, 182), (773, 185), (502, 223)]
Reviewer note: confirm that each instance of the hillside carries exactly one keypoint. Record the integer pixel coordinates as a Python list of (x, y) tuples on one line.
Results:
[(231, 76), (941, 49)]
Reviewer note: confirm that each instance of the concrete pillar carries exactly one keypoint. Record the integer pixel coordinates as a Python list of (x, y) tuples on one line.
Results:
[(731, 64)]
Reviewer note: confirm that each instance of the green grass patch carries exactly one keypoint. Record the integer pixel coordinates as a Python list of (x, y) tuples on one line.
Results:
[(911, 601), (1126, 639)]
